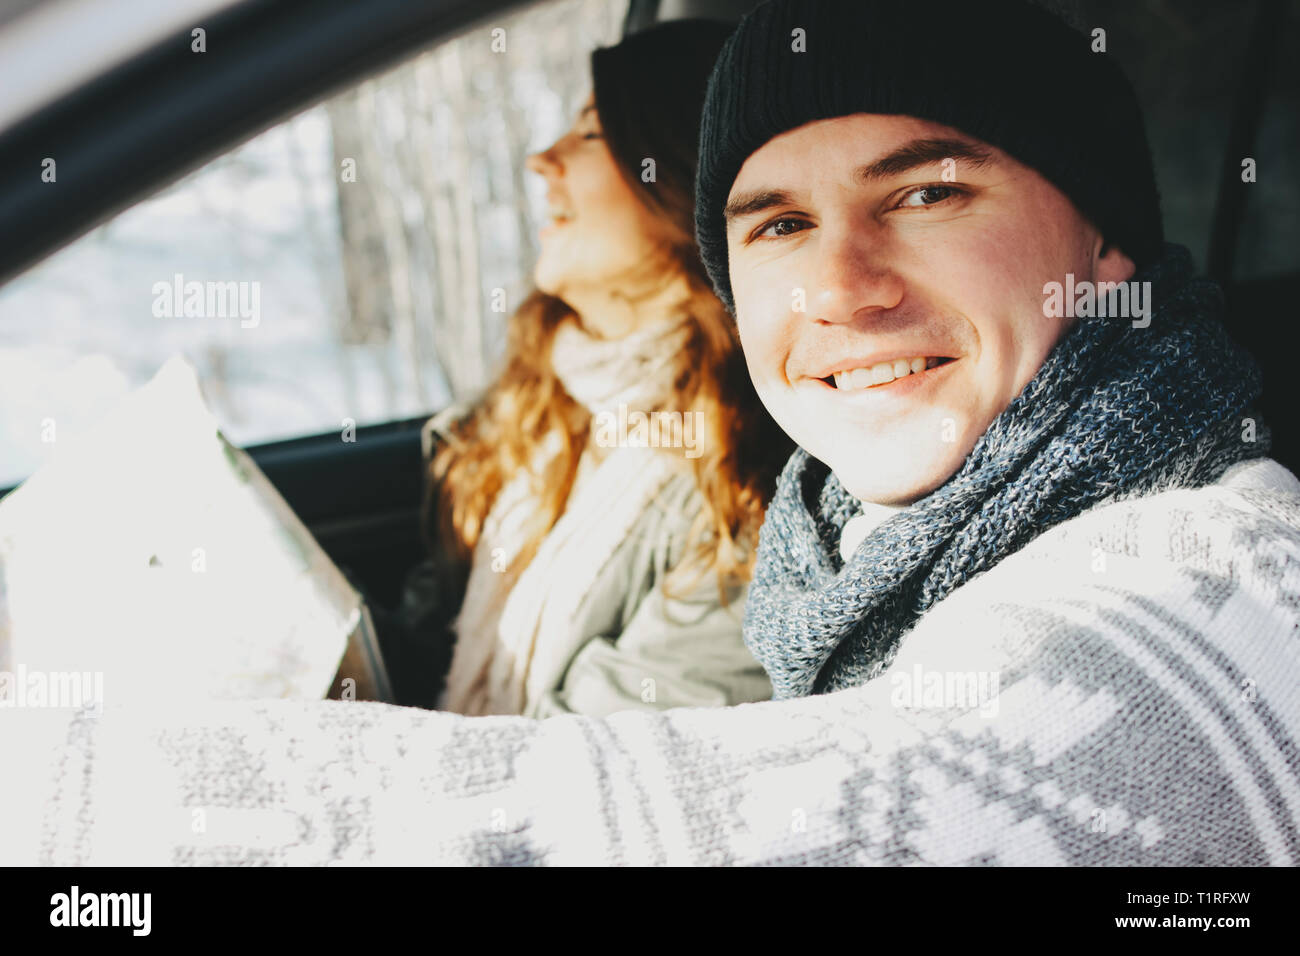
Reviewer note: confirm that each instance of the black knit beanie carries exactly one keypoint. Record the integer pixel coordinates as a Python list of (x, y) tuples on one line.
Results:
[(651, 82), (1006, 72)]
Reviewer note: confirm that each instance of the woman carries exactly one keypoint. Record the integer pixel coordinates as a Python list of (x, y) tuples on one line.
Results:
[(607, 568)]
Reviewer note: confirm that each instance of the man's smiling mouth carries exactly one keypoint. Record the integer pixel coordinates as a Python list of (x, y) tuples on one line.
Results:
[(883, 374)]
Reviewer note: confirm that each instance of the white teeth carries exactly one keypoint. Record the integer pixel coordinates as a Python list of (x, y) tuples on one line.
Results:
[(559, 214), (883, 372)]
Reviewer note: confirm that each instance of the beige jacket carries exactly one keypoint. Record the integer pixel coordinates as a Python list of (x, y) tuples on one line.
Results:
[(634, 648)]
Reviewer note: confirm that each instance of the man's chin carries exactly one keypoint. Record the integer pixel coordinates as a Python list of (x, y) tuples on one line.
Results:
[(895, 485)]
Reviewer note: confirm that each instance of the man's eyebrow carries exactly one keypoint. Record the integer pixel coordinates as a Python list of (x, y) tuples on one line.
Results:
[(922, 152), (911, 155), (754, 201)]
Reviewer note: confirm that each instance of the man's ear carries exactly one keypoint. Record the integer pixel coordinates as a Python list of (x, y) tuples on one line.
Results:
[(1110, 264)]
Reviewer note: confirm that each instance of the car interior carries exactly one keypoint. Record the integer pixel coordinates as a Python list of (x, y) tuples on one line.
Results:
[(1212, 80)]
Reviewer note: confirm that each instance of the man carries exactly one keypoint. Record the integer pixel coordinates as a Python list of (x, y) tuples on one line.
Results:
[(1018, 414), (1028, 591), (870, 213)]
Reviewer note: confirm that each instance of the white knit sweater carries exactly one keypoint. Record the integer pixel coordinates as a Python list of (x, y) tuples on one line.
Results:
[(1124, 690)]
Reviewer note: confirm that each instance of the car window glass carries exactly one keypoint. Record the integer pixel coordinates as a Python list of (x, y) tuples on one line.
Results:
[(356, 262)]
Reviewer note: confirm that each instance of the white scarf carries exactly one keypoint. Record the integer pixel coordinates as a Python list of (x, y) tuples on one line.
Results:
[(514, 635)]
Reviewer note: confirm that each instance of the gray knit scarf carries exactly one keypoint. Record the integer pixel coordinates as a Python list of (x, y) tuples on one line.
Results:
[(1114, 412)]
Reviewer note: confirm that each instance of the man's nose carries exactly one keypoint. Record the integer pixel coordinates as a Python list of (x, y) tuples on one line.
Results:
[(853, 276)]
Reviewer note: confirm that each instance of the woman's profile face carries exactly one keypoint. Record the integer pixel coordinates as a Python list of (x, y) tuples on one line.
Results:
[(598, 238)]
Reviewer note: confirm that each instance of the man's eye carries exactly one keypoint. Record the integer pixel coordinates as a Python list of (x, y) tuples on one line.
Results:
[(591, 136), (779, 228), (927, 196)]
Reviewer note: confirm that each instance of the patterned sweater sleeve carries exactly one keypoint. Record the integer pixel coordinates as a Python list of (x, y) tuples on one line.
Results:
[(1124, 690)]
